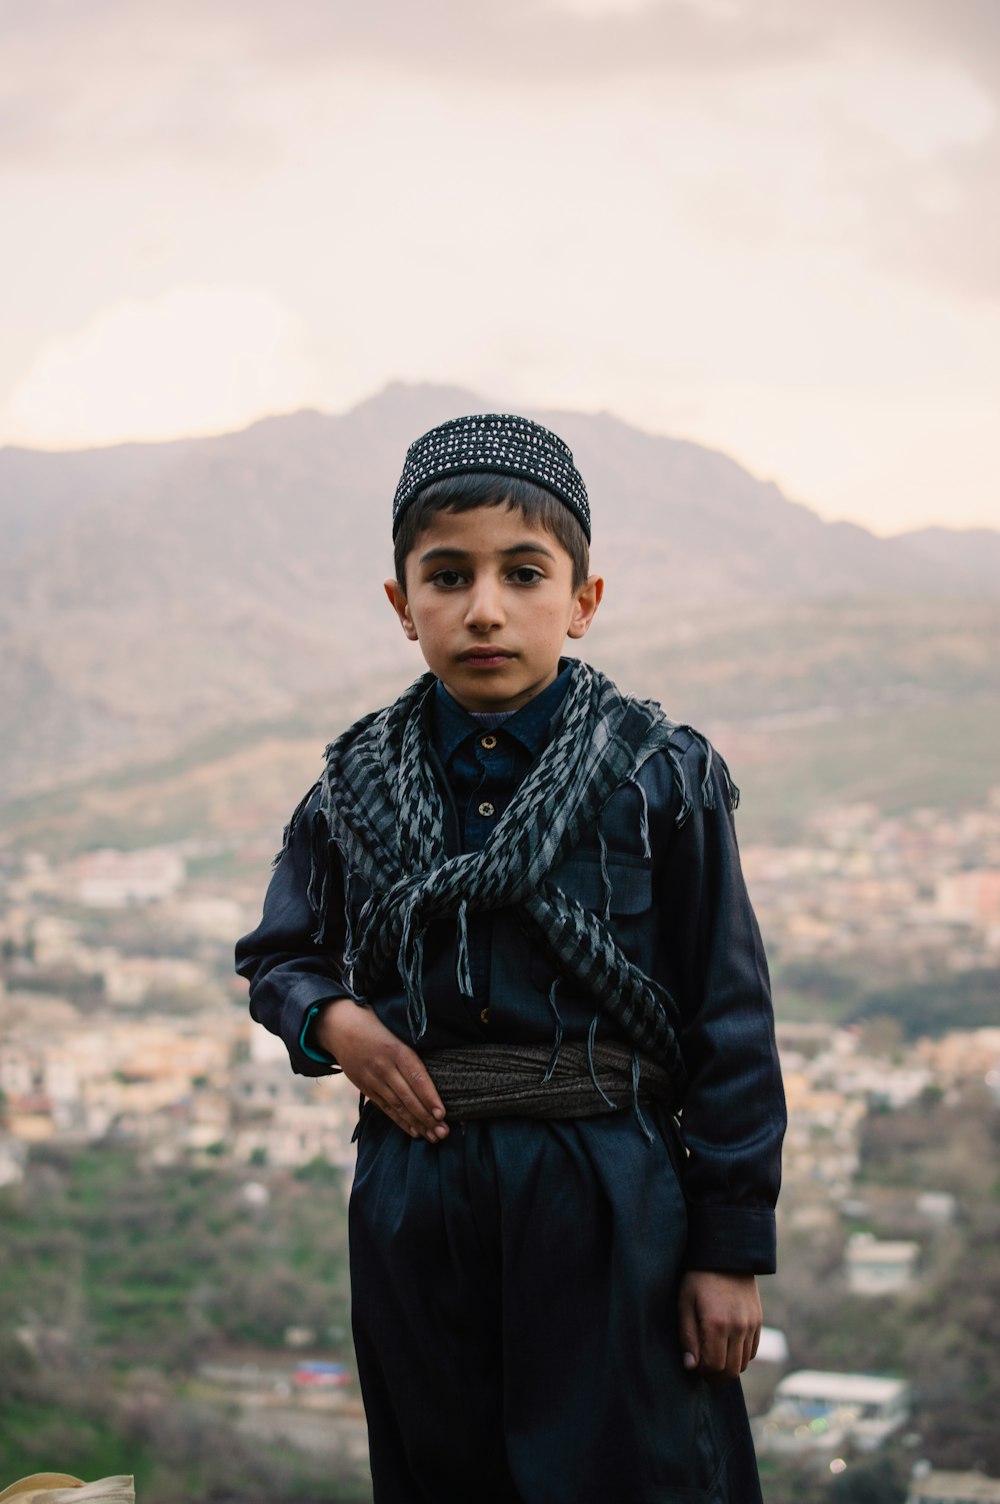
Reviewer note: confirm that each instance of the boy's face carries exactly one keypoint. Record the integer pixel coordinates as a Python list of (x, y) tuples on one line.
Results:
[(490, 598)]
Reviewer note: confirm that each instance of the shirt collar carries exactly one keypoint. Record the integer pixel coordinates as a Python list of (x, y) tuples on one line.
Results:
[(452, 723)]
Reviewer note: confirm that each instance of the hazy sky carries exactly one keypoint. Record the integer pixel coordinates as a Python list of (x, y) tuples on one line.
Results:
[(769, 225)]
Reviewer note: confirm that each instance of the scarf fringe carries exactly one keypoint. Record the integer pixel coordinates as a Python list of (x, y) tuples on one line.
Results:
[(293, 820), (411, 967), (636, 1074), (643, 817), (463, 968), (319, 876), (591, 1035), (712, 760), (605, 874), (557, 1045)]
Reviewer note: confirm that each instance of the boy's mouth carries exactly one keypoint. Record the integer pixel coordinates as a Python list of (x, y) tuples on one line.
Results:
[(484, 657)]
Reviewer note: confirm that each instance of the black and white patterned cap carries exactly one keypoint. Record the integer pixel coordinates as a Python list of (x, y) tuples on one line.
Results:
[(501, 443)]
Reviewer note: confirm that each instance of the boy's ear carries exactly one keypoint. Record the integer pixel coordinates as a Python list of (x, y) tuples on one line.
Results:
[(585, 605), (397, 599)]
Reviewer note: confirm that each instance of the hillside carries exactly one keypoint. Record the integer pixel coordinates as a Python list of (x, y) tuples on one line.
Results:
[(150, 594), (887, 700)]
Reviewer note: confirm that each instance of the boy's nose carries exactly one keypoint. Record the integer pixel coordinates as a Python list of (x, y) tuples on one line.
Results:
[(485, 606)]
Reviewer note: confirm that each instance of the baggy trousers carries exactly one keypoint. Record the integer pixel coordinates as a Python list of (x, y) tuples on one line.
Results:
[(514, 1312)]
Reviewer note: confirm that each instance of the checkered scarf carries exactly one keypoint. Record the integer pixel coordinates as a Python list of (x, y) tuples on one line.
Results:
[(381, 807)]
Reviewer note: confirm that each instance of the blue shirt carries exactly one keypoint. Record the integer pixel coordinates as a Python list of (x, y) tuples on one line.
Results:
[(485, 765)]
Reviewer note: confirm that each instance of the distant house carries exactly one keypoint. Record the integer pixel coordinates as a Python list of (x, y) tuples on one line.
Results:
[(874, 1267), (773, 1346), (937, 1207), (817, 1411), (931, 1487), (12, 1158), (969, 897), (321, 1376), (114, 879)]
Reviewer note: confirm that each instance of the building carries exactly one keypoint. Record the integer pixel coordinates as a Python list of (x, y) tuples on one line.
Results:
[(115, 879), (817, 1411), (874, 1267), (928, 1486)]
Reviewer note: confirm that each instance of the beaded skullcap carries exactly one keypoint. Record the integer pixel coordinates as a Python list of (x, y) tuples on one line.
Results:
[(501, 443)]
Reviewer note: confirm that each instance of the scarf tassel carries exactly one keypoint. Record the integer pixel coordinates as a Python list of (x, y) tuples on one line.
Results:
[(411, 966), (294, 818), (348, 922), (636, 1069), (605, 875), (591, 1035), (463, 968), (647, 850), (557, 1044), (677, 763), (317, 893), (707, 786)]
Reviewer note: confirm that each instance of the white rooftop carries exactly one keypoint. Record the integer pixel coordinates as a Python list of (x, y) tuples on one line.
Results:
[(863, 1248), (957, 1488), (841, 1388)]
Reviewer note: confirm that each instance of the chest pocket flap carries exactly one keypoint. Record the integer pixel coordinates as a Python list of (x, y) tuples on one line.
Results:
[(580, 878)]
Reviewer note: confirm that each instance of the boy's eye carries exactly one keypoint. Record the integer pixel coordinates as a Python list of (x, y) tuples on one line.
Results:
[(446, 578), (526, 574)]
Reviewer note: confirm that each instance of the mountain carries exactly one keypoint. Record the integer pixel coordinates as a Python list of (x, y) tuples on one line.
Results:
[(974, 552), (150, 593)]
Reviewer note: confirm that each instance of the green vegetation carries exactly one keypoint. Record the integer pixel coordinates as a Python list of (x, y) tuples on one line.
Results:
[(940, 756), (962, 1000), (115, 1280), (942, 1336), (913, 1007), (170, 1261)]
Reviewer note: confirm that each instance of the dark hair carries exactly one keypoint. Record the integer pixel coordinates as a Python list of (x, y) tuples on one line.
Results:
[(464, 493)]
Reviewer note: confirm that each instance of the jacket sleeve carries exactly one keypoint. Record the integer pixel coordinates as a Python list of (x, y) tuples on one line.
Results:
[(289, 973), (733, 1117)]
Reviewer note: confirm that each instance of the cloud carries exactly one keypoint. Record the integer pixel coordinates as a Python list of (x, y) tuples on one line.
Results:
[(117, 77), (197, 360), (114, 77), (235, 87)]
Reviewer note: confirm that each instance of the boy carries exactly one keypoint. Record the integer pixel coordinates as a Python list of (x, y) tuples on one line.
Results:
[(511, 911)]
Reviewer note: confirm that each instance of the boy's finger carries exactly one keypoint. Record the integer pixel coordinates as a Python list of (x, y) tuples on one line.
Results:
[(419, 1089), (687, 1333), (402, 1109), (417, 1078), (410, 1104), (386, 1102), (401, 1088), (714, 1354)]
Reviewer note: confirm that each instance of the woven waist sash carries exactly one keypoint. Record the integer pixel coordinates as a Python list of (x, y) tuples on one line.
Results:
[(514, 1080)]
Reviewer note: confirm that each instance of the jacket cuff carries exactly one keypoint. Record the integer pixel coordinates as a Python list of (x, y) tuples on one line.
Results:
[(303, 999), (314, 1052), (731, 1239)]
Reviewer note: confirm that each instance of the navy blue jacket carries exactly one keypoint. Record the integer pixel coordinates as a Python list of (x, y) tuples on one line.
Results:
[(681, 913)]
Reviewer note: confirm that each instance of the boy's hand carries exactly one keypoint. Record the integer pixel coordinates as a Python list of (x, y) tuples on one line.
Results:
[(719, 1321), (388, 1072)]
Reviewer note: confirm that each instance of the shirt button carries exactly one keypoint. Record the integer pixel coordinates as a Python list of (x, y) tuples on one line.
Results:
[(486, 808), (488, 742)]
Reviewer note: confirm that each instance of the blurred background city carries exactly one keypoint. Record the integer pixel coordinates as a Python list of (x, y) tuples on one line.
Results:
[(745, 259)]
